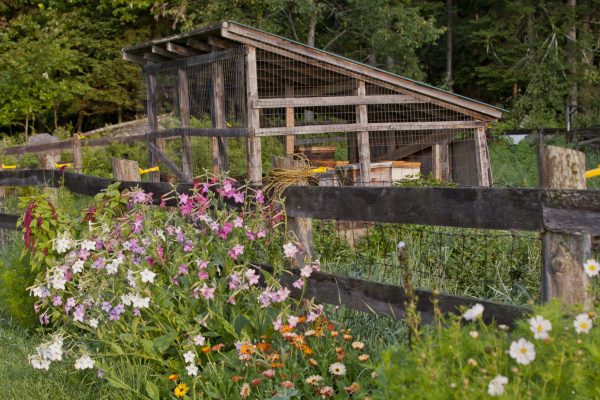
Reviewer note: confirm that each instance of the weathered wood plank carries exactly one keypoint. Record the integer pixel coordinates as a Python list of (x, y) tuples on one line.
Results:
[(482, 157), (125, 170), (164, 52), (336, 101), (253, 148), (220, 146), (181, 50), (184, 115), (389, 300), (198, 45), (163, 159), (371, 127), (563, 254), (518, 209), (362, 137)]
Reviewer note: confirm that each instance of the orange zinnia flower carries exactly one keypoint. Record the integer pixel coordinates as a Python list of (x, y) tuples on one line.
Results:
[(306, 349), (206, 349), (173, 377), (263, 346), (286, 328), (247, 349), (276, 365)]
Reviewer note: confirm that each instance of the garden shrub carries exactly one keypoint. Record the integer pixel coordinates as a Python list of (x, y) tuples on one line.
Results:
[(15, 276), (552, 354), (173, 293)]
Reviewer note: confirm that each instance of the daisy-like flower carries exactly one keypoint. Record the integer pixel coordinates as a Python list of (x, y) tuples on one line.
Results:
[(314, 380), (473, 313), (363, 357), (192, 370), (84, 362), (326, 391), (522, 351), (540, 327), (181, 390), (358, 345), (290, 250), (353, 388), (245, 391), (496, 385), (337, 369), (583, 323), (591, 268), (189, 356), (147, 276)]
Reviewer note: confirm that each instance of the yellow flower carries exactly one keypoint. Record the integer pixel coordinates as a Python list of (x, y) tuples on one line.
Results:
[(173, 377), (181, 390), (247, 349)]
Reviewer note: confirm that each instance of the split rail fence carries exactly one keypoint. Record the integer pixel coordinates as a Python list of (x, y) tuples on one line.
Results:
[(570, 214)]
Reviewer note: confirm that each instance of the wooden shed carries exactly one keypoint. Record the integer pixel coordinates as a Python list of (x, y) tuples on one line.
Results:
[(235, 86)]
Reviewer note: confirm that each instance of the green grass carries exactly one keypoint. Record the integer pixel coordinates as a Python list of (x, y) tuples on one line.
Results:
[(18, 380)]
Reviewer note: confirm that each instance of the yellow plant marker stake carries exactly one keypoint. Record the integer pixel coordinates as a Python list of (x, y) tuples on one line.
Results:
[(60, 165), (152, 169), (319, 170), (592, 173), (11, 166)]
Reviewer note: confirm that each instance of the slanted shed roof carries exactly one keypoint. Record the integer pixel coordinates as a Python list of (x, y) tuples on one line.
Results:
[(231, 34)]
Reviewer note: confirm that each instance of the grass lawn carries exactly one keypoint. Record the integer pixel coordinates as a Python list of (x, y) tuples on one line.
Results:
[(19, 381)]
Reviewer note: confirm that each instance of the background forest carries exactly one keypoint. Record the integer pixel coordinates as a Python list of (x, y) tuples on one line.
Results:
[(61, 68)]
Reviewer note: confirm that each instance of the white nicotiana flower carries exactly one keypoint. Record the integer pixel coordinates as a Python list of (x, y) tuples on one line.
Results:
[(77, 266), (583, 323), (39, 362), (113, 267), (401, 245), (496, 385), (474, 312), (199, 340), (126, 299), (189, 356), (63, 243), (130, 278), (522, 351), (147, 276), (540, 327), (591, 268), (161, 234), (88, 245), (57, 280), (140, 302), (84, 362), (38, 291), (93, 323), (192, 370)]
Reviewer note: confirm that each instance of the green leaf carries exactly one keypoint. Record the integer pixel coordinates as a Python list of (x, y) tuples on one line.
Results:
[(152, 390), (163, 342)]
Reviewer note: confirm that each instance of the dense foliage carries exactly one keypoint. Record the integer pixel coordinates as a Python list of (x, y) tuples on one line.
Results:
[(62, 66)]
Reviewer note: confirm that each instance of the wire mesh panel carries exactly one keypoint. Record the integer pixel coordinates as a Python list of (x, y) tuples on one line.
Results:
[(496, 265), (203, 92)]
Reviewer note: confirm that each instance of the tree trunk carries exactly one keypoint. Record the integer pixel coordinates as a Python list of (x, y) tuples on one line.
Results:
[(449, 45), (311, 30)]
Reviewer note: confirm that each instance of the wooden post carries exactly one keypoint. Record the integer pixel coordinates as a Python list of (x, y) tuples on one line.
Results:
[(152, 124), (125, 170), (184, 114), (483, 160), (219, 144), (253, 143), (77, 158), (440, 161), (48, 159), (301, 227), (563, 254), (364, 150), (289, 122)]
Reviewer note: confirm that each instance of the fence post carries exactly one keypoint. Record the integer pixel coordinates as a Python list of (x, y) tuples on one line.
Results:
[(77, 158), (563, 254), (125, 170)]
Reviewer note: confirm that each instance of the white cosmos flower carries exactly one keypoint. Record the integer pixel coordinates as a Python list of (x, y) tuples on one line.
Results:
[(496, 385), (192, 370), (540, 327), (147, 276), (84, 362), (189, 356), (591, 268), (473, 313), (522, 351), (583, 323)]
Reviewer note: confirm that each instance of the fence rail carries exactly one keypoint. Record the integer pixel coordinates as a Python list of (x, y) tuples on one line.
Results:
[(571, 211)]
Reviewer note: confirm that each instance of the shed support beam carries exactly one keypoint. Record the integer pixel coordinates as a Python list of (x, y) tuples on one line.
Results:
[(181, 50), (482, 157), (289, 122), (152, 125), (184, 113), (163, 52), (364, 150), (440, 161), (253, 143), (219, 144), (198, 45)]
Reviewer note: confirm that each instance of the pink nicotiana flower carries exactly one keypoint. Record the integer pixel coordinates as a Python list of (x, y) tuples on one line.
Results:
[(207, 292), (236, 251), (298, 284)]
